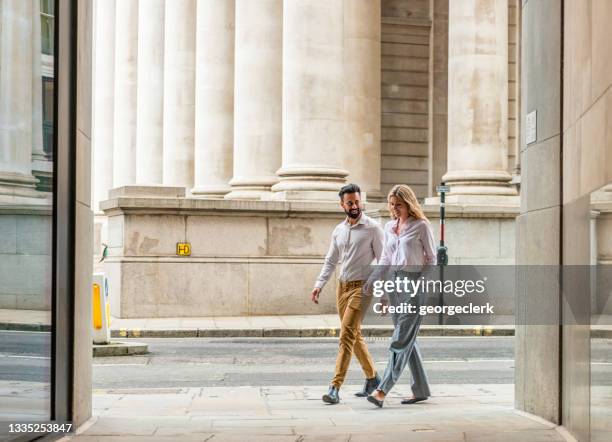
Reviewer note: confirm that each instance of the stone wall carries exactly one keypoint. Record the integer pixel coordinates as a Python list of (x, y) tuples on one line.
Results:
[(586, 200), (25, 258), (250, 257), (247, 257)]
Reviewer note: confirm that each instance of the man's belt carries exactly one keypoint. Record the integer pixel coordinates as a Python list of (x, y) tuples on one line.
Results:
[(351, 284)]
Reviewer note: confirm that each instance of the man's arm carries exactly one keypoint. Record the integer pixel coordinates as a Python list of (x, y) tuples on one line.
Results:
[(331, 260), (382, 259)]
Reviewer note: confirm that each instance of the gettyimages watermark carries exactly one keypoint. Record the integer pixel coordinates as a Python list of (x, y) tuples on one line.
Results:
[(490, 295), (405, 283)]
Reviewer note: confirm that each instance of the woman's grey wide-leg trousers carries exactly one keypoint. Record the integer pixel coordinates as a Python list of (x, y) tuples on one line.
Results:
[(404, 349)]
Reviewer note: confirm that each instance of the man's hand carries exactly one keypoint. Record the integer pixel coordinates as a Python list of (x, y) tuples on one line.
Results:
[(314, 296), (384, 302)]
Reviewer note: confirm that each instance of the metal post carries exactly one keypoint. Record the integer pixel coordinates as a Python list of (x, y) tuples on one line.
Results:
[(442, 255)]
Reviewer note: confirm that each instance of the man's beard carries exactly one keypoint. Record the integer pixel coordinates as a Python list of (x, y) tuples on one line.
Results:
[(353, 213)]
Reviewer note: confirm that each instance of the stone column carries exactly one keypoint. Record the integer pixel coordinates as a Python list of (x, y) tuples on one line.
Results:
[(214, 115), (362, 95), (438, 96), (150, 92), (38, 152), (124, 134), (478, 101), (179, 93), (257, 98), (313, 101), (103, 100), (16, 177)]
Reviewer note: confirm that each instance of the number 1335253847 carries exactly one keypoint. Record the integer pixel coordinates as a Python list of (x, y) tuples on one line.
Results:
[(48, 427)]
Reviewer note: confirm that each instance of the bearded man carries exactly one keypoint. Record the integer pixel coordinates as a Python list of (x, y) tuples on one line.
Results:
[(356, 242)]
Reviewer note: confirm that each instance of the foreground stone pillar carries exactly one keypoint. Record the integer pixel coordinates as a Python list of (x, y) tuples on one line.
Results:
[(257, 98), (150, 121), (214, 113), (16, 179), (362, 90), (478, 101), (313, 101), (126, 51), (103, 100), (179, 93)]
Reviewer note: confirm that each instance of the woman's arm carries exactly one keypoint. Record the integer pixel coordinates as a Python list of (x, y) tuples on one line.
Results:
[(429, 244)]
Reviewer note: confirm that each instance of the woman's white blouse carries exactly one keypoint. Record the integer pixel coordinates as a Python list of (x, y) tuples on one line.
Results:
[(414, 246)]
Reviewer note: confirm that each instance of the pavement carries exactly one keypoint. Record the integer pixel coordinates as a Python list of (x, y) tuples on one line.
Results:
[(294, 326), (25, 320), (267, 389), (465, 413), (115, 348), (232, 362), (289, 326)]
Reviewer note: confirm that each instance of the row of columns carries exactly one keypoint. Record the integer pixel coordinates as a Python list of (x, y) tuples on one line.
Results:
[(252, 98), (244, 99)]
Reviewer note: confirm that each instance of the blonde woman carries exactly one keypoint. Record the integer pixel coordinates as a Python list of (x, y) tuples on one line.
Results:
[(409, 244)]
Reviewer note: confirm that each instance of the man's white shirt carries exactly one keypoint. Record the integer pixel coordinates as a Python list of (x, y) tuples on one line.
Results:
[(355, 247)]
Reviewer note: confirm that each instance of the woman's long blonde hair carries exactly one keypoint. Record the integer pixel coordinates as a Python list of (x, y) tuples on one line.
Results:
[(405, 193)]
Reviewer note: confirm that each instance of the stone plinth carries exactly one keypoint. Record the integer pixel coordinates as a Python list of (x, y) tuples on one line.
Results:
[(475, 235), (147, 192), (252, 257), (247, 257)]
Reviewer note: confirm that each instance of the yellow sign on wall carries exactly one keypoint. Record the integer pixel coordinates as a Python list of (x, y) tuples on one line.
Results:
[(183, 249)]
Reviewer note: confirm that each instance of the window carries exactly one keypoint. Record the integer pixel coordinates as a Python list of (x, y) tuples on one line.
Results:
[(47, 25), (47, 111)]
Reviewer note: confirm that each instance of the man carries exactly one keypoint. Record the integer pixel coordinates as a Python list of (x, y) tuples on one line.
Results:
[(356, 242)]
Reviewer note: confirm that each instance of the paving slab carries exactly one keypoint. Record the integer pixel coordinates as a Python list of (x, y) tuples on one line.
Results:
[(456, 413)]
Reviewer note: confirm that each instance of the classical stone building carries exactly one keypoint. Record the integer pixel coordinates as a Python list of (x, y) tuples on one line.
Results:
[(231, 125)]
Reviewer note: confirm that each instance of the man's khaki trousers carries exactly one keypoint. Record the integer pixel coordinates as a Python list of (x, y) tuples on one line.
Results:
[(351, 310)]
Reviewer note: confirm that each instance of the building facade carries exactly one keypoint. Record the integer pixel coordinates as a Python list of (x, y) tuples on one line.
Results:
[(258, 232), (231, 125)]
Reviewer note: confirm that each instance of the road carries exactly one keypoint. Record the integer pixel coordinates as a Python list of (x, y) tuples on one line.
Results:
[(200, 362), (25, 356), (253, 361)]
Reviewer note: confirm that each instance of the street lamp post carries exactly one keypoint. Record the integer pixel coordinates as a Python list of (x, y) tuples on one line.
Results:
[(442, 252)]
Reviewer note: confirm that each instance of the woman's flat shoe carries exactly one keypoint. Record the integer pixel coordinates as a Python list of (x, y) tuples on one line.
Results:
[(413, 400), (375, 401)]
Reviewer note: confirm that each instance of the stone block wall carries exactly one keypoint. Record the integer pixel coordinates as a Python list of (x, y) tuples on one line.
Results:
[(25, 259), (251, 257), (247, 257)]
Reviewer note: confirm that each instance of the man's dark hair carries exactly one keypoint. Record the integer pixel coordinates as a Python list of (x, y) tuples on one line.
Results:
[(349, 188)]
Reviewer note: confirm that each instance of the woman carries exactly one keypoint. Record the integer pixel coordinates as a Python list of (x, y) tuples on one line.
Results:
[(409, 244)]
